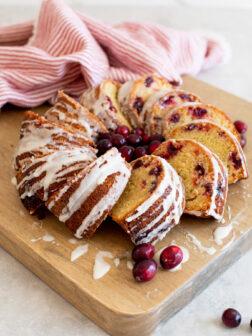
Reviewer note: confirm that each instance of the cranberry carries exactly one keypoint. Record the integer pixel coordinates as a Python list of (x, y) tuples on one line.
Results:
[(140, 151), (126, 152), (174, 118), (123, 130), (231, 318), (243, 141), (138, 104), (105, 136), (240, 126), (200, 170), (118, 140), (168, 101), (148, 81), (199, 112), (236, 160), (134, 139), (154, 145), (143, 251), (138, 131), (156, 136), (145, 139), (184, 96), (144, 270), (104, 145), (171, 257)]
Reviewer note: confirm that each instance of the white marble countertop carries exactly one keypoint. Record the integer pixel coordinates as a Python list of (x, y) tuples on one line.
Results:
[(29, 307)]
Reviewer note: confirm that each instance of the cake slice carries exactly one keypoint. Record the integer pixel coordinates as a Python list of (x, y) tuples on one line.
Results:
[(199, 111), (39, 177), (220, 141), (159, 105), (86, 199), (68, 112), (102, 102), (152, 202), (38, 136), (203, 174), (133, 94)]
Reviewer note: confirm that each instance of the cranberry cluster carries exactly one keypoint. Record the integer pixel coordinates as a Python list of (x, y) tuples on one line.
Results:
[(132, 145), (145, 267), (241, 128)]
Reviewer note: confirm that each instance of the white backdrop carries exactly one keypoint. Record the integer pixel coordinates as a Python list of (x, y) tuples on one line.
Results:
[(212, 3)]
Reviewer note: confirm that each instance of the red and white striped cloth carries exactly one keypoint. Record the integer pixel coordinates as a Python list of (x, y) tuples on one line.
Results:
[(71, 51)]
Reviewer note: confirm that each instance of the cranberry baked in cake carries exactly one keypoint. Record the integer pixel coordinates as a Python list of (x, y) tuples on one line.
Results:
[(203, 174), (102, 102), (159, 105), (85, 200), (152, 201), (133, 94), (197, 111), (68, 112), (220, 141)]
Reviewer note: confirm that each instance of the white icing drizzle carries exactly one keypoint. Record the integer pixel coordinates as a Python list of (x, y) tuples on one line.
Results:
[(14, 181), (196, 242), (175, 185), (224, 247), (79, 251), (130, 265), (101, 267), (221, 233), (47, 238), (116, 262), (21, 213), (229, 212), (73, 241), (124, 92)]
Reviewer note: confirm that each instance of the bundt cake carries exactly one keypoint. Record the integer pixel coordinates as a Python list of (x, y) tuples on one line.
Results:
[(85, 200), (152, 201), (46, 156), (159, 105), (132, 96), (203, 174), (191, 111), (39, 136), (102, 102), (68, 112), (220, 141)]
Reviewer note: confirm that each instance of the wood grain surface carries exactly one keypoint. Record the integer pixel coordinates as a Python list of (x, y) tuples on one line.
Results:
[(116, 302)]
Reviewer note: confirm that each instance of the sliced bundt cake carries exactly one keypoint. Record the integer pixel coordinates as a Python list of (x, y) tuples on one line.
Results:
[(132, 96), (220, 141), (102, 102), (152, 202), (159, 105), (86, 199), (39, 136), (68, 112), (190, 112), (203, 174), (40, 176)]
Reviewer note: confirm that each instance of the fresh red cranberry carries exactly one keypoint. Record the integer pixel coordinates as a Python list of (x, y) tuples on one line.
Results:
[(243, 141), (104, 145), (127, 152), (134, 140), (118, 140), (231, 318), (149, 81), (156, 136), (240, 126), (144, 270), (143, 251), (145, 139), (171, 257), (138, 104), (105, 136), (123, 130), (154, 145), (140, 151), (138, 131)]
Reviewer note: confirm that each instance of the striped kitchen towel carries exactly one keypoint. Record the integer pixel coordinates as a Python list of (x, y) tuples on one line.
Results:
[(71, 51)]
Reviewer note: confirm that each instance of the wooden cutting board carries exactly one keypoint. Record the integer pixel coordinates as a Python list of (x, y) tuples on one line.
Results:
[(116, 302)]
